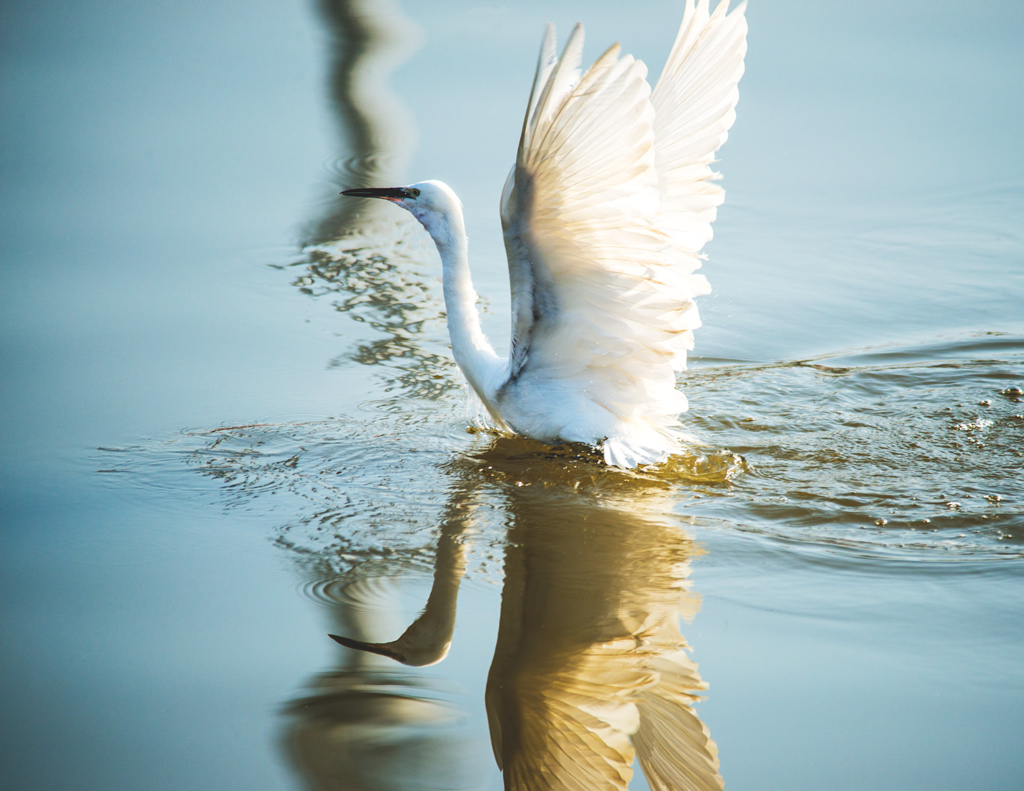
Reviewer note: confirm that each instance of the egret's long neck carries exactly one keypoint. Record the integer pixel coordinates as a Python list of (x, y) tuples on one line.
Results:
[(471, 349)]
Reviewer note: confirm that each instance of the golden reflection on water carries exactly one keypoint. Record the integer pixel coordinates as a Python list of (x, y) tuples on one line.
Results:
[(589, 670)]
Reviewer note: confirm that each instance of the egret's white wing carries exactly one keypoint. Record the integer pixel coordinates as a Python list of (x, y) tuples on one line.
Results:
[(602, 292), (694, 107)]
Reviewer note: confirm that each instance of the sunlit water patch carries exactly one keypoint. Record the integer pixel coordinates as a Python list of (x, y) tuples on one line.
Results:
[(916, 447)]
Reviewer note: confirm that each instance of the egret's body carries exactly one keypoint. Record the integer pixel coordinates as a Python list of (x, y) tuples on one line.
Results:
[(604, 214)]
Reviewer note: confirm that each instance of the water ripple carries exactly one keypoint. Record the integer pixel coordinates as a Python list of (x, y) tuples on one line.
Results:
[(890, 453), (918, 447)]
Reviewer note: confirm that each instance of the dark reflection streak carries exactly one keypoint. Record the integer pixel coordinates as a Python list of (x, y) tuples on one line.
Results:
[(357, 252), (364, 725), (370, 39)]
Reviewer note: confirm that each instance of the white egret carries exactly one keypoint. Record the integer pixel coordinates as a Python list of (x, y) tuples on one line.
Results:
[(605, 212)]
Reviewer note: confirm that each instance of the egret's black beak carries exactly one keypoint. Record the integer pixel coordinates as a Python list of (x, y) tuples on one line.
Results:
[(387, 193)]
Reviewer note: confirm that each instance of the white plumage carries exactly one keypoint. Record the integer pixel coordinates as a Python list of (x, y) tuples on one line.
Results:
[(605, 212)]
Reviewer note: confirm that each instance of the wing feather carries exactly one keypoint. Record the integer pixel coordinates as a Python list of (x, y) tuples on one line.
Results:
[(607, 207), (694, 103)]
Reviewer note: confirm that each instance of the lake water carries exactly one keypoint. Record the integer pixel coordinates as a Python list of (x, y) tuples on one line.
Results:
[(231, 425)]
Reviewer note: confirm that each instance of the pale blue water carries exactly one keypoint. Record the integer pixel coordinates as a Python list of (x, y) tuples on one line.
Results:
[(220, 443)]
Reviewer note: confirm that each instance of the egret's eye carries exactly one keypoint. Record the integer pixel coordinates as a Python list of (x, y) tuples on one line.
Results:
[(414, 193)]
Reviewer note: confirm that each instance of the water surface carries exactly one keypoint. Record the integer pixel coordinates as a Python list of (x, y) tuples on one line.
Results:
[(232, 424)]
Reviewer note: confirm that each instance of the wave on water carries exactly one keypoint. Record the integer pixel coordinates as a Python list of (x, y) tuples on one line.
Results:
[(900, 448)]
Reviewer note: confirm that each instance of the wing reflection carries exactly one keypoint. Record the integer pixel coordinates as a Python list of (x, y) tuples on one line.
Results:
[(590, 670)]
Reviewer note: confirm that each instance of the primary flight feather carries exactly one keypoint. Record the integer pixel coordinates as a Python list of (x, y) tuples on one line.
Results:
[(605, 212)]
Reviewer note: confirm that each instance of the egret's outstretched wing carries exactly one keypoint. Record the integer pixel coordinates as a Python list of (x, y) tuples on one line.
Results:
[(694, 107), (578, 212), (602, 220)]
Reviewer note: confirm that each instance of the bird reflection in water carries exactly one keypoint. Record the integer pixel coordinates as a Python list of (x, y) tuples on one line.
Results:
[(590, 668), (589, 671), (372, 723)]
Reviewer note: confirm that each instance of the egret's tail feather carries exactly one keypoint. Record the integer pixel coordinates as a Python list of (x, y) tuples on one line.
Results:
[(627, 454)]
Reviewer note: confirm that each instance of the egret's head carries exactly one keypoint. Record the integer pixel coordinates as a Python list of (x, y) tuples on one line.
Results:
[(433, 203)]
